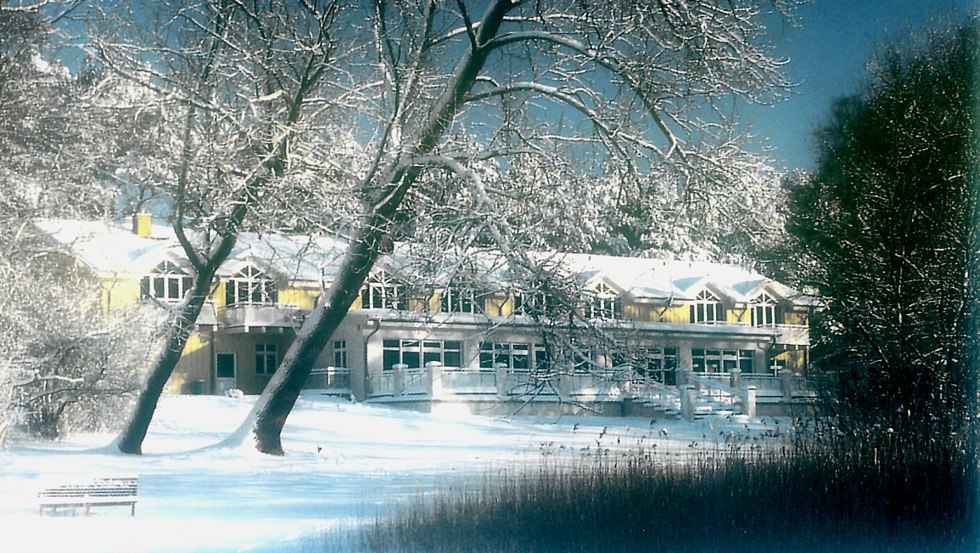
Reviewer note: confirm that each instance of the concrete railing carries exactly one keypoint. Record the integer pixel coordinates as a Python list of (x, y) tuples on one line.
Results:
[(332, 379), (247, 315), (728, 391), (694, 391), (438, 381)]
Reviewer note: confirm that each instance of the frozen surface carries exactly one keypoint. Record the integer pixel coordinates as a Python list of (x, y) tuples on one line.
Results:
[(344, 463)]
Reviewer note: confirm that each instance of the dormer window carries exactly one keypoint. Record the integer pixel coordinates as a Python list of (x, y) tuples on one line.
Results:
[(381, 291), (168, 282), (603, 303), (251, 286), (456, 299), (534, 304), (707, 309), (766, 311)]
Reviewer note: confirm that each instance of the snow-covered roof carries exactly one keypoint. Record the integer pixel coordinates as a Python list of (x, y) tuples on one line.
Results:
[(109, 248), (113, 249), (661, 279)]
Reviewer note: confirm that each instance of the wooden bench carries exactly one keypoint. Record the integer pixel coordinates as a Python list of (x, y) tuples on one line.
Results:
[(89, 493)]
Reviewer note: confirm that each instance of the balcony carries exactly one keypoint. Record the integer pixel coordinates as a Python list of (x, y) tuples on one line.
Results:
[(435, 381), (245, 317), (333, 381), (792, 335)]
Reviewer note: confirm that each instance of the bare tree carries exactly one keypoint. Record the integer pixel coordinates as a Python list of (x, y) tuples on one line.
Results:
[(42, 134), (235, 86), (632, 86)]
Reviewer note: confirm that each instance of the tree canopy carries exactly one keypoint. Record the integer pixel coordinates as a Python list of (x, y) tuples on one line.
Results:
[(886, 229)]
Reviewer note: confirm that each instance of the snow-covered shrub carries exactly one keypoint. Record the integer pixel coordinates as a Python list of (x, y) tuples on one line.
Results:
[(78, 366)]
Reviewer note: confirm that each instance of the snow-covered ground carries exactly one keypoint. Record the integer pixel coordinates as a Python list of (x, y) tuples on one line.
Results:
[(344, 463)]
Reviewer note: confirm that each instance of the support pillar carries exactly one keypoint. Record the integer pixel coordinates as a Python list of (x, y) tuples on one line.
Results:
[(687, 402), (748, 404)]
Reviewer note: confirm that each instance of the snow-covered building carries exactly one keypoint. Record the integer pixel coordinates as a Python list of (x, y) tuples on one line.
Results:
[(632, 328)]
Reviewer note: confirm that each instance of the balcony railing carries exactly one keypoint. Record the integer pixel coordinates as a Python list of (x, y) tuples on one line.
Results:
[(793, 335), (251, 315), (437, 381), (334, 380)]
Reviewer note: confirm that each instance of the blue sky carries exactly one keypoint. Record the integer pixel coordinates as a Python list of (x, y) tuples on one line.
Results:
[(827, 55)]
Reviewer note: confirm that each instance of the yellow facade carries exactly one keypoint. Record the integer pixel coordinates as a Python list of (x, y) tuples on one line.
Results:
[(674, 314), (218, 294), (121, 292), (796, 318), (304, 298), (740, 314)]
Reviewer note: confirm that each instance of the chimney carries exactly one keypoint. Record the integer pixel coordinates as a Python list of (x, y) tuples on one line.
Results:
[(142, 224)]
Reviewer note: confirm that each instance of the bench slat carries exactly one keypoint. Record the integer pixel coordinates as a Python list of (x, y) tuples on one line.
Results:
[(99, 491)]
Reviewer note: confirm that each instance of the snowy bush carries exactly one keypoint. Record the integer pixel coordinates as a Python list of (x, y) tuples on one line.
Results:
[(77, 366)]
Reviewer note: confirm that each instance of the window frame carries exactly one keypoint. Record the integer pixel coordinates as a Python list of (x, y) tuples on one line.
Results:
[(251, 286), (707, 308), (264, 353), (723, 360), (168, 283), (766, 311), (602, 302), (534, 304), (382, 291), (457, 299), (234, 364), (339, 354), (416, 353), (507, 353)]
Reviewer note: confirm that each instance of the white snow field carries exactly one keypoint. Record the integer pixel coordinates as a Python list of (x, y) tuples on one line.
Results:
[(344, 464)]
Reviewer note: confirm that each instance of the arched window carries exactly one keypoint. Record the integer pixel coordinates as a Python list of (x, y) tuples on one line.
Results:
[(381, 291), (250, 286), (167, 282), (707, 308), (766, 311), (603, 303)]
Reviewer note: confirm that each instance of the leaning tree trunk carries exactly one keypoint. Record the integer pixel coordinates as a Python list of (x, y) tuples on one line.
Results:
[(277, 400), (131, 439), (269, 414)]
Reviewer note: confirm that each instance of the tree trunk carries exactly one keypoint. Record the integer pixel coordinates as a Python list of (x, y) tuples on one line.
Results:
[(277, 400), (131, 439), (279, 396)]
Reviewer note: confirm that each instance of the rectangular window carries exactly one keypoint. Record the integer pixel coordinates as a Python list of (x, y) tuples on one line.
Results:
[(225, 365), (455, 300), (340, 354), (745, 360), (378, 295), (415, 354), (452, 353), (266, 358), (391, 354), (712, 360), (512, 356), (654, 362), (535, 304)]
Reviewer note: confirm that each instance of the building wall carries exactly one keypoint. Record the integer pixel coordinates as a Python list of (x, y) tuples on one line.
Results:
[(302, 297), (120, 292), (194, 368), (243, 346), (796, 317), (364, 338)]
